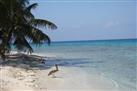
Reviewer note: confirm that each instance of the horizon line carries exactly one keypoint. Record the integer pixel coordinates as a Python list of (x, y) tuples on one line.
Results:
[(92, 40)]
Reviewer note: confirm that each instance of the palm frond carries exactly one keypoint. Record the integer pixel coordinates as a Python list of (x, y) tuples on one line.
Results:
[(22, 44), (35, 35), (39, 36), (27, 11), (43, 23), (32, 6), (23, 2)]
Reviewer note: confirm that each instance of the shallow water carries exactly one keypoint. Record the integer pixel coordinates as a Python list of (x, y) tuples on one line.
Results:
[(113, 59)]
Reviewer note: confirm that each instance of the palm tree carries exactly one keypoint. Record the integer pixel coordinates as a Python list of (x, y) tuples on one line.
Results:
[(19, 26)]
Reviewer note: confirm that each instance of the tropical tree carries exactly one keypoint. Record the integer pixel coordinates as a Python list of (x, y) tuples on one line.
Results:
[(18, 26)]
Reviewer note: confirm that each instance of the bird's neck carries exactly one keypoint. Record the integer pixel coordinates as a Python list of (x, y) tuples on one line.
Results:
[(57, 68)]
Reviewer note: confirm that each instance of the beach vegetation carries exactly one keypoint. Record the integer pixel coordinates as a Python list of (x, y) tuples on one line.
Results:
[(19, 26)]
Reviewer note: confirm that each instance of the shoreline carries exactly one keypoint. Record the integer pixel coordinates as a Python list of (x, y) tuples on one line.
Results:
[(19, 76)]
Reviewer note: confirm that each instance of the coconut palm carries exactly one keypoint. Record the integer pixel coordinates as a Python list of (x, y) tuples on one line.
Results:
[(19, 27)]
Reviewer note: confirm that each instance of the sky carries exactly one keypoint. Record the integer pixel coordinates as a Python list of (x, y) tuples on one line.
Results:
[(88, 19)]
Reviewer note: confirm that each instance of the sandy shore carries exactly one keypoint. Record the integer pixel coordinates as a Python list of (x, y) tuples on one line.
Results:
[(23, 77)]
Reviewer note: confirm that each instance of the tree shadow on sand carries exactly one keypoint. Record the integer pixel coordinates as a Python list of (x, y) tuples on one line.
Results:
[(40, 62), (24, 61)]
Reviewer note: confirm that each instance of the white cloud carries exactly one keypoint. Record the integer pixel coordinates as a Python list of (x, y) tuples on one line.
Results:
[(111, 24)]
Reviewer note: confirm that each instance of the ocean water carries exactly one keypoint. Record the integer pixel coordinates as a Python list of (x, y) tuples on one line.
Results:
[(113, 59)]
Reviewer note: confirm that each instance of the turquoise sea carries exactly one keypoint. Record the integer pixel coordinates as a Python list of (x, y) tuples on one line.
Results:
[(114, 59)]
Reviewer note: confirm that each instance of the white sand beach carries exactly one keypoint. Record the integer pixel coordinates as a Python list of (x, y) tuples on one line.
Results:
[(22, 77)]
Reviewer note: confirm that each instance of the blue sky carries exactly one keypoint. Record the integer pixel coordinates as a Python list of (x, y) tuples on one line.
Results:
[(88, 19)]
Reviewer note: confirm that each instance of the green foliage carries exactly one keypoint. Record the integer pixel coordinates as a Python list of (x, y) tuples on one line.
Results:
[(19, 26)]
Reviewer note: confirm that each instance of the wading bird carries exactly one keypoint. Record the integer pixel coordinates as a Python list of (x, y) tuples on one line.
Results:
[(52, 72)]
